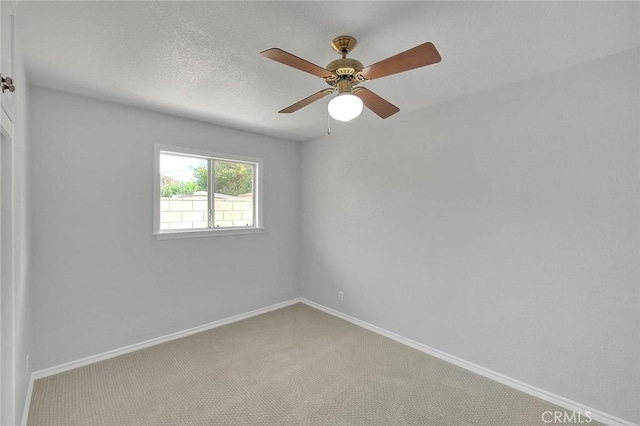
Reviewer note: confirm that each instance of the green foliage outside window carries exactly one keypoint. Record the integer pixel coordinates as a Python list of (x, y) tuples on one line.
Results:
[(171, 187), (230, 179)]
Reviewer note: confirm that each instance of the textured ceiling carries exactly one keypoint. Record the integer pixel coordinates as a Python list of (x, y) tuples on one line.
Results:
[(201, 59)]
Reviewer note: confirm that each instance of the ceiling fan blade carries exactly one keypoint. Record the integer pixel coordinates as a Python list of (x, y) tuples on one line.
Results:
[(287, 58), (420, 56), (306, 101), (375, 103)]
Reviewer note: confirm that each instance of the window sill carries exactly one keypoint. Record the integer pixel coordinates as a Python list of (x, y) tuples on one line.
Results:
[(174, 235)]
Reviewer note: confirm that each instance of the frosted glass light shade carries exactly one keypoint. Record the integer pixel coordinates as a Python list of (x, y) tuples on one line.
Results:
[(345, 107)]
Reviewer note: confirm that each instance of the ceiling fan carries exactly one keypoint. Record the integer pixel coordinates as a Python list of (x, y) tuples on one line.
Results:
[(345, 74)]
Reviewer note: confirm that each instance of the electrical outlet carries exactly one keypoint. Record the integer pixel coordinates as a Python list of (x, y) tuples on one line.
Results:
[(340, 295)]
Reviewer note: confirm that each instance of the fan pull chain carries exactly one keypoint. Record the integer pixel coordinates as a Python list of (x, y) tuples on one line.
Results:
[(328, 123)]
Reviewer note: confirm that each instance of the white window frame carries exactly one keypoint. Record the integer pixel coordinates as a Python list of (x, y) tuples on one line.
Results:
[(257, 164)]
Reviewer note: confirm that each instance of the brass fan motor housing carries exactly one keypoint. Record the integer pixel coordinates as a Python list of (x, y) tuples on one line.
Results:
[(346, 72), (344, 66)]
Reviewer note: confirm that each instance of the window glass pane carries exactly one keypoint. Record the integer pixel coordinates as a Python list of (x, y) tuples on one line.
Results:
[(183, 192), (234, 194)]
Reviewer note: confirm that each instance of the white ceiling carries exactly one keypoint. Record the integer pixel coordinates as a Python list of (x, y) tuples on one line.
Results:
[(201, 59)]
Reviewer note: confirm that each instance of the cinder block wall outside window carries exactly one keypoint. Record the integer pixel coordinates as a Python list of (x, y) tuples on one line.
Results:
[(191, 212)]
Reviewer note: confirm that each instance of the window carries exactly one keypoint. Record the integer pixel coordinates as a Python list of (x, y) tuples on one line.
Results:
[(199, 193)]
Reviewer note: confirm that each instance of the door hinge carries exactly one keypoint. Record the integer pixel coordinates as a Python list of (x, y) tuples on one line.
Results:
[(7, 84)]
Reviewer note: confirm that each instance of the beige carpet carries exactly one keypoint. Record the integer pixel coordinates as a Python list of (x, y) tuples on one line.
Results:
[(293, 366)]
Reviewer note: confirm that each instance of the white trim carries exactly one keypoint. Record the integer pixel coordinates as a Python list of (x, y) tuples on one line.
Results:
[(152, 342), (27, 403), (563, 402), (187, 151), (208, 233)]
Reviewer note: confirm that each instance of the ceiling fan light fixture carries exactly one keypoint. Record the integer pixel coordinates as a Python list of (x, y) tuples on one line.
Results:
[(345, 107), (344, 73)]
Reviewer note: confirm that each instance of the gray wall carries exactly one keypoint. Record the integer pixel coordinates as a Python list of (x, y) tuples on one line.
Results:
[(514, 239), (101, 280)]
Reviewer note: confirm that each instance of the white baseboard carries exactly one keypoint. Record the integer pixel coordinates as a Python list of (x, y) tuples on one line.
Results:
[(39, 374), (563, 402)]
